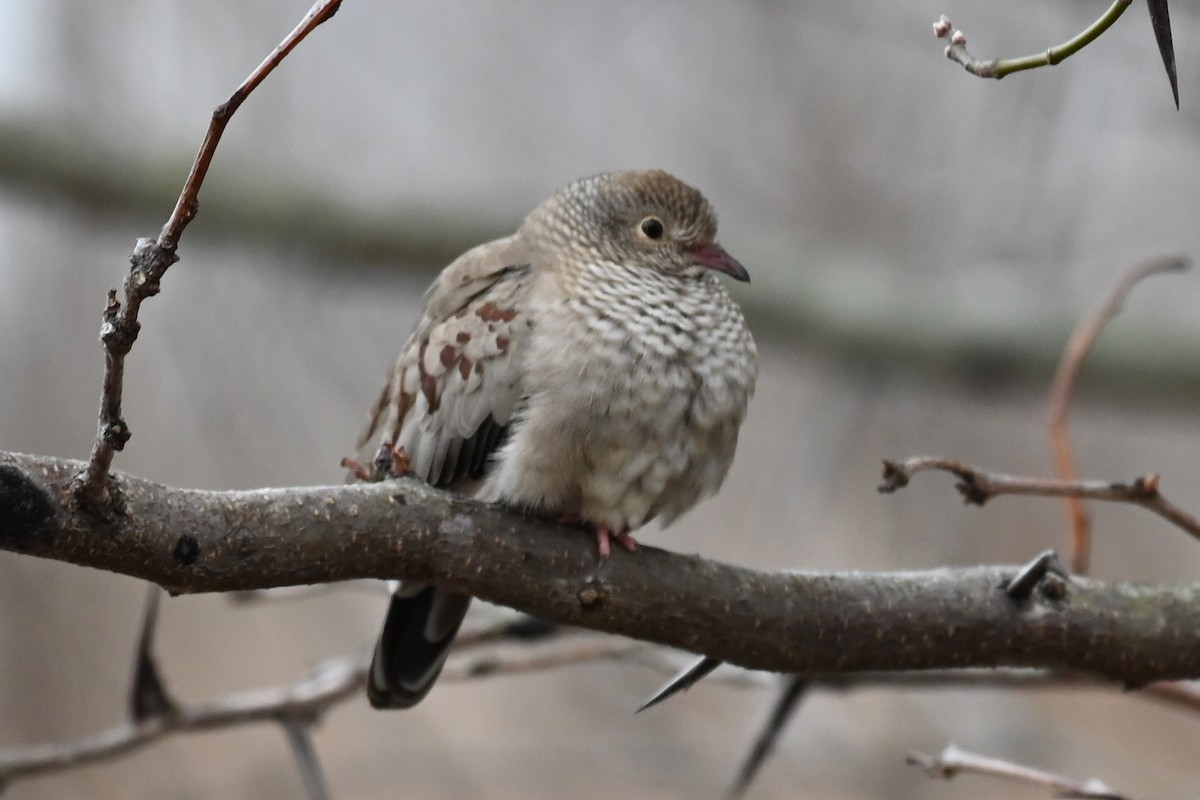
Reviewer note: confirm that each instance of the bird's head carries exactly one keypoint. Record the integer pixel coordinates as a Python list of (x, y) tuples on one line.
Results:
[(642, 219)]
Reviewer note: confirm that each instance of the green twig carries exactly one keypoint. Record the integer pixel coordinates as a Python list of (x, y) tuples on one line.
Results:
[(999, 67)]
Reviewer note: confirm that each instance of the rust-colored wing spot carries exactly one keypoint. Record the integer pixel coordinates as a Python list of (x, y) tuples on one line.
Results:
[(429, 389), (401, 463), (403, 404), (421, 357), (428, 382), (490, 312), (463, 337), (448, 355), (464, 367), (502, 341)]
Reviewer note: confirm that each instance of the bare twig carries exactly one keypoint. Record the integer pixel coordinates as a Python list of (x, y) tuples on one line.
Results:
[(999, 67), (331, 683), (300, 740), (187, 205), (1065, 377), (977, 486), (150, 260), (296, 707), (953, 760), (339, 680)]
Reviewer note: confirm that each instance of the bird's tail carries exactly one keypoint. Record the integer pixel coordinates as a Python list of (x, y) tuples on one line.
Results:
[(417, 634)]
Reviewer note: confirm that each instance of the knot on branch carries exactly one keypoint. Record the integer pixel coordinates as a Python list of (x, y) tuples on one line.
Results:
[(118, 331), (116, 434), (150, 260), (895, 477), (25, 508), (973, 492), (975, 487), (1143, 489)]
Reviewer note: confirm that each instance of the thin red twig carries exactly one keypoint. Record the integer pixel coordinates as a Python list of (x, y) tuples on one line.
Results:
[(1065, 377), (187, 205)]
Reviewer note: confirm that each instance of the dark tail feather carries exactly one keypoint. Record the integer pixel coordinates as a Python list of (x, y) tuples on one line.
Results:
[(420, 627)]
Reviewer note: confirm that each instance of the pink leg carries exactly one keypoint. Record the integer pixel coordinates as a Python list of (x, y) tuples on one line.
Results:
[(605, 536)]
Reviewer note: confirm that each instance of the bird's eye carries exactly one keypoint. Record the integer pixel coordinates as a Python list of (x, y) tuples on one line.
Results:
[(653, 228)]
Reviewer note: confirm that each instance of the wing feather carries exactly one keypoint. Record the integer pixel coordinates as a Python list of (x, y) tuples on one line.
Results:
[(448, 402), (457, 382)]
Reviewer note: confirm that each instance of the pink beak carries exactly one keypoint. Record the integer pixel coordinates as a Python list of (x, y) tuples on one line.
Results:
[(714, 256)]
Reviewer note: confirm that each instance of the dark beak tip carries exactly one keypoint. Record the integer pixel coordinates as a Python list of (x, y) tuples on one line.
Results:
[(715, 257), (734, 269)]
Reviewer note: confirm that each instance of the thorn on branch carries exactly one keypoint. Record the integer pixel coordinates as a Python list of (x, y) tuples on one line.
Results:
[(685, 679), (148, 696), (1160, 21), (795, 688), (1044, 566)]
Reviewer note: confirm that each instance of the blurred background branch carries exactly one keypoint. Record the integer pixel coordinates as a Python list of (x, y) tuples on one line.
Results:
[(923, 334)]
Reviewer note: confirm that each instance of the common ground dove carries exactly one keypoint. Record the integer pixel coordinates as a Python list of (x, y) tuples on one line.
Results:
[(591, 368)]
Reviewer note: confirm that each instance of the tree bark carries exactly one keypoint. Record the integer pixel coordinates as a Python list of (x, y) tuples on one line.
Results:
[(198, 541)]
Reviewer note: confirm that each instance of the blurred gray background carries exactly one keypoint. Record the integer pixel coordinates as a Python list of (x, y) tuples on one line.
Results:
[(921, 242)]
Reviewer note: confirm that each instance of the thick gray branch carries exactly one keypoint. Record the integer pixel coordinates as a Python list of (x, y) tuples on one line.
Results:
[(192, 541)]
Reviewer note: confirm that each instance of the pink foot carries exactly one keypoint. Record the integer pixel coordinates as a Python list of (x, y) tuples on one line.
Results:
[(605, 536)]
